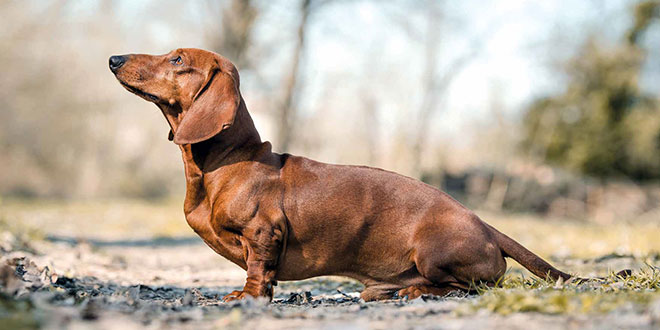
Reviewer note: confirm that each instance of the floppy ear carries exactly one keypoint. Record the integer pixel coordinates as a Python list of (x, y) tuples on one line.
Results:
[(213, 109)]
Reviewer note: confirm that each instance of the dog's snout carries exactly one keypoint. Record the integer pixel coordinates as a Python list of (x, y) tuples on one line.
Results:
[(116, 62)]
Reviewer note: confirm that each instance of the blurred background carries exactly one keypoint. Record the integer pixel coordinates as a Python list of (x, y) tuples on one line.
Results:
[(543, 116), (549, 108)]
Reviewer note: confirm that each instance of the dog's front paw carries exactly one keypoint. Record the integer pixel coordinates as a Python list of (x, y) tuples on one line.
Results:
[(235, 295)]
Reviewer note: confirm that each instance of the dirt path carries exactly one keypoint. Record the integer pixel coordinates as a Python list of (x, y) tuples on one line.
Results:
[(106, 265), (177, 283)]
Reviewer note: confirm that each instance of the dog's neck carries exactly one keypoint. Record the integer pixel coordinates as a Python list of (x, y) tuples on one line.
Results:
[(239, 142), (241, 133)]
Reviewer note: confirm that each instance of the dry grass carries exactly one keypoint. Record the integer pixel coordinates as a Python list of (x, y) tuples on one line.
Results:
[(520, 294), (550, 237), (106, 219)]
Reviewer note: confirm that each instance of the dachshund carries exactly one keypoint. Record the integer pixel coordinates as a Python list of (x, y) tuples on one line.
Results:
[(285, 217)]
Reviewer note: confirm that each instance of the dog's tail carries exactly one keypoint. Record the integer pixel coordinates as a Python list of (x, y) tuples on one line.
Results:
[(534, 263)]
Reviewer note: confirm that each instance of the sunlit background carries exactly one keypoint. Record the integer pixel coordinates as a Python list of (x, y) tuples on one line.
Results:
[(544, 107), (542, 116)]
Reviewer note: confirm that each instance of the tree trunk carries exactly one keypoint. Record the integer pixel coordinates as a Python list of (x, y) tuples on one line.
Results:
[(288, 109)]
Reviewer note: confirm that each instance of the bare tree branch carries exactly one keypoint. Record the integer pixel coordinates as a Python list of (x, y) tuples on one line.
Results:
[(234, 35), (287, 110)]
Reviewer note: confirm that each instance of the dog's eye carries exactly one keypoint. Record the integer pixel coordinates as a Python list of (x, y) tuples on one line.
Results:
[(177, 60)]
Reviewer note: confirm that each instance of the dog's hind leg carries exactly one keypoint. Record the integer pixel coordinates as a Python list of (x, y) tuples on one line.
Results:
[(416, 291), (461, 253), (378, 291)]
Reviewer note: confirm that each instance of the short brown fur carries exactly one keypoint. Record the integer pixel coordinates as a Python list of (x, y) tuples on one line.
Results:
[(284, 217)]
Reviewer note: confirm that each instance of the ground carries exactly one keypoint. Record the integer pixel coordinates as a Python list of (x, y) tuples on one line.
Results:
[(129, 264)]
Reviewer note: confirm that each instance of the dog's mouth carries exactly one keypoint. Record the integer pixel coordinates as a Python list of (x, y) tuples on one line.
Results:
[(140, 93)]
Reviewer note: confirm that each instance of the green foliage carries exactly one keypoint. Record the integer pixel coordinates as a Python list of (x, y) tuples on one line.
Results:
[(517, 294), (602, 124)]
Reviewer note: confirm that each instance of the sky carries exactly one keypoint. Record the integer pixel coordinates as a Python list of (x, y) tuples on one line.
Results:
[(513, 64)]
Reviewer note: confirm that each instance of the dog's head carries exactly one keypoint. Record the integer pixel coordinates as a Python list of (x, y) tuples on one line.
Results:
[(197, 90)]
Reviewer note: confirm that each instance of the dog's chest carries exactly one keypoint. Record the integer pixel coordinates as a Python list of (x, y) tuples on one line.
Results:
[(225, 243)]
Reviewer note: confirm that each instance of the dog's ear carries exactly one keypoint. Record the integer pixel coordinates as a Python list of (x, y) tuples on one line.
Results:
[(213, 109)]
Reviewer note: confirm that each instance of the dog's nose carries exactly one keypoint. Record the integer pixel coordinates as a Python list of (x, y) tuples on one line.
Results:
[(116, 62)]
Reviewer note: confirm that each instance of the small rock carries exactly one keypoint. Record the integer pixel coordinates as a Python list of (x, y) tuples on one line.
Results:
[(300, 298), (134, 294), (187, 299), (9, 280)]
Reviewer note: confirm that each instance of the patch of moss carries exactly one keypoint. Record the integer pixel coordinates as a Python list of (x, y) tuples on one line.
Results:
[(518, 294)]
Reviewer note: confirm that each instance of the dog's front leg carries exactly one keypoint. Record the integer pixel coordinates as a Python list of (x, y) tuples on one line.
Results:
[(263, 242)]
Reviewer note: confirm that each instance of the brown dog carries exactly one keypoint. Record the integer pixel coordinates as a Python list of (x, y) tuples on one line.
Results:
[(283, 217)]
